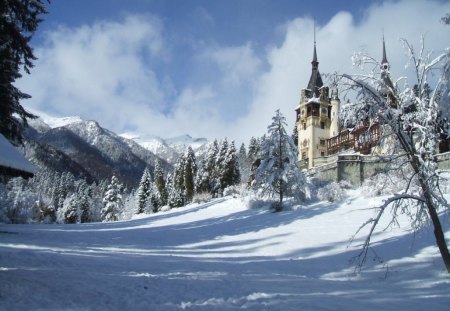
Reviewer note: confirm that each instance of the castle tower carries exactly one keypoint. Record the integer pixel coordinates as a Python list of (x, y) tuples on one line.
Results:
[(314, 120), (335, 107)]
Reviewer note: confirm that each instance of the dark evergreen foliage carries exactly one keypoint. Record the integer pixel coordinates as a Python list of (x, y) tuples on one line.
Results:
[(19, 19)]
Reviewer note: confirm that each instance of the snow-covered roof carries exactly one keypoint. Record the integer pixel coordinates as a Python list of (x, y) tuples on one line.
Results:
[(313, 100), (12, 158)]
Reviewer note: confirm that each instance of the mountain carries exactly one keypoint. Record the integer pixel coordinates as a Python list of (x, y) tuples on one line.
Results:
[(87, 150), (171, 148)]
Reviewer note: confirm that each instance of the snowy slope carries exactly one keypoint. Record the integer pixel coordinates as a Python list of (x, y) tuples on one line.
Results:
[(220, 256)]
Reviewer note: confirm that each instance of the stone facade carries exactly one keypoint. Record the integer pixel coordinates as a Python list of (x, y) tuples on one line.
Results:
[(317, 117)]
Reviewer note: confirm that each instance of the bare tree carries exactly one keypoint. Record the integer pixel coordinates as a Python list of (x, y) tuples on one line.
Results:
[(408, 116)]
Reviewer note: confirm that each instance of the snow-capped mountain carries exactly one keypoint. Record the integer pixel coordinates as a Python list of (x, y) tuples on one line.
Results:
[(87, 150), (169, 149)]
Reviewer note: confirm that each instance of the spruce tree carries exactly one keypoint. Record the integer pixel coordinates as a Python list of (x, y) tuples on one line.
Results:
[(278, 172), (220, 167), (112, 201), (144, 192), (189, 172), (208, 172), (160, 183), (19, 20), (253, 150), (71, 210), (231, 174), (83, 202), (177, 194)]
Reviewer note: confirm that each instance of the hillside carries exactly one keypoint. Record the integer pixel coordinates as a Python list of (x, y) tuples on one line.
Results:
[(221, 256), (87, 150)]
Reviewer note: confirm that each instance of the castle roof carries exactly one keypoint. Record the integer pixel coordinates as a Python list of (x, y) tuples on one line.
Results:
[(315, 81)]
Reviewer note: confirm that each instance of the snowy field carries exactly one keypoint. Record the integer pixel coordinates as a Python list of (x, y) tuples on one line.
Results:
[(221, 256)]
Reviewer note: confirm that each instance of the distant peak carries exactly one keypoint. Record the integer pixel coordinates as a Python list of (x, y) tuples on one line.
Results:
[(55, 122)]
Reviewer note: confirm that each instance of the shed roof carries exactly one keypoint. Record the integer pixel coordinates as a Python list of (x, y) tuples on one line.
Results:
[(10, 157)]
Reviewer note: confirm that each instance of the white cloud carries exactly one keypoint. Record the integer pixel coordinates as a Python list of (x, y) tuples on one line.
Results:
[(110, 71), (337, 40), (237, 64)]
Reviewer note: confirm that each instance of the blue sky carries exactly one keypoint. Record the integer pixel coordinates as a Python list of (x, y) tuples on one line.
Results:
[(208, 68)]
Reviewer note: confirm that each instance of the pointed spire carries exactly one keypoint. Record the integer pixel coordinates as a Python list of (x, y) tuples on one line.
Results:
[(315, 81), (384, 60), (314, 61)]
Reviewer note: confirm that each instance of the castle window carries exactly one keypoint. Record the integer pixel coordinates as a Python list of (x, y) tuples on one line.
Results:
[(322, 125), (322, 142), (304, 155), (304, 126)]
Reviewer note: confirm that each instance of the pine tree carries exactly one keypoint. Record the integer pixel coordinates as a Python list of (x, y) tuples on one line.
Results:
[(83, 201), (189, 173), (231, 174), (19, 19), (220, 167), (177, 193), (278, 170), (71, 210), (160, 184), (206, 173), (295, 135), (112, 201), (253, 150), (175, 196), (144, 192)]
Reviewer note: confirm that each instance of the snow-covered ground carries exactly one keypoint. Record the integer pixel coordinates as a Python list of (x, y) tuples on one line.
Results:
[(221, 256)]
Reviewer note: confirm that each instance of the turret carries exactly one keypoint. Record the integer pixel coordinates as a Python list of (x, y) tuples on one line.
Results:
[(335, 107)]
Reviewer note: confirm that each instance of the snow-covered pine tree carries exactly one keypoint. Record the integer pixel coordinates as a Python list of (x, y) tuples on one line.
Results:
[(244, 163), (278, 172), (253, 150), (230, 174), (144, 192), (189, 173), (160, 184), (71, 210), (177, 189), (220, 166), (295, 135), (83, 201), (19, 19), (408, 117), (206, 172), (112, 201)]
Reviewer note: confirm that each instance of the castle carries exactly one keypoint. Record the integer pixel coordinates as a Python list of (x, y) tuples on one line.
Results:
[(317, 120)]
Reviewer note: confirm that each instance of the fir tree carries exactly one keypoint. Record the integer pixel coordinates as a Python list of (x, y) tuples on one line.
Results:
[(189, 172), (112, 201), (83, 201), (278, 170), (160, 184), (253, 150), (231, 174), (220, 167), (144, 192), (175, 197), (19, 19), (71, 210), (207, 171), (177, 193)]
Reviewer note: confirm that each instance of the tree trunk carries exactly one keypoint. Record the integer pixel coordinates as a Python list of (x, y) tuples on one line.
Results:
[(431, 208), (438, 232)]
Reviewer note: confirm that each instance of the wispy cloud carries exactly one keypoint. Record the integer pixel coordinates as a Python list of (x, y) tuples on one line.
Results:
[(122, 72)]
